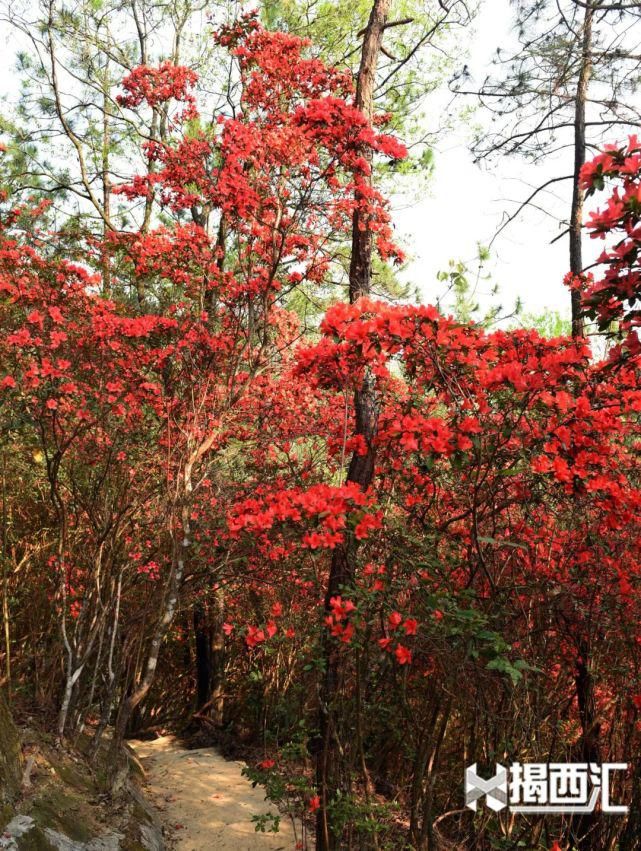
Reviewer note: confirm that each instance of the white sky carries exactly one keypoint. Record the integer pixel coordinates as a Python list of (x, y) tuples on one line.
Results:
[(464, 203), (464, 207)]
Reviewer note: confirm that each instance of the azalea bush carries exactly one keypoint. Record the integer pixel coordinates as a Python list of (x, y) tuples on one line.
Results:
[(175, 449)]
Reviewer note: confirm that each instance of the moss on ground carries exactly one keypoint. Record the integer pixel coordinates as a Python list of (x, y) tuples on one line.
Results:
[(68, 794), (34, 840), (65, 812), (76, 777), (7, 812), (10, 769)]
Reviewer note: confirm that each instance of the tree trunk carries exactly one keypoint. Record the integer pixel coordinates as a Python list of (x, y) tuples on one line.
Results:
[(332, 756), (586, 828), (217, 711), (203, 640), (5, 574), (106, 185), (168, 610), (576, 214)]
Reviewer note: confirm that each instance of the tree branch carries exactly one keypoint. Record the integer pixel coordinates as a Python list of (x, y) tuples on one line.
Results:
[(527, 201)]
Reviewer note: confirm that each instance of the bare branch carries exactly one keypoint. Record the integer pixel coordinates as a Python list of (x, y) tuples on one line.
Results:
[(525, 203)]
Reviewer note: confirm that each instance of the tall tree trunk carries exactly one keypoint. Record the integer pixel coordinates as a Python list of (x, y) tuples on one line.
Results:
[(332, 757), (576, 214), (586, 828), (106, 185), (5, 574), (203, 640)]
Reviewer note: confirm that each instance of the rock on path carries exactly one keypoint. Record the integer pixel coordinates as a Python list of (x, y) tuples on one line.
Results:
[(205, 801)]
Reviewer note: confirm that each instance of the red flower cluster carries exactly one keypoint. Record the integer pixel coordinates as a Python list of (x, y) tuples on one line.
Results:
[(157, 86), (614, 296)]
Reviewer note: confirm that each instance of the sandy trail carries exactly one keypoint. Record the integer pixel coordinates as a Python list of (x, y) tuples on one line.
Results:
[(205, 801)]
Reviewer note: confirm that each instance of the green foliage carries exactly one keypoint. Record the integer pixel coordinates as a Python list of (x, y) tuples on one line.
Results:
[(65, 154), (463, 288), (266, 823), (369, 819), (418, 56), (551, 323)]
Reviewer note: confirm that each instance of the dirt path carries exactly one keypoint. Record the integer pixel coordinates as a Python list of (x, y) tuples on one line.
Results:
[(205, 801)]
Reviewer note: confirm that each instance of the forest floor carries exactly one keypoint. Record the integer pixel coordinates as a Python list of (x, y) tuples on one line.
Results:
[(204, 801)]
